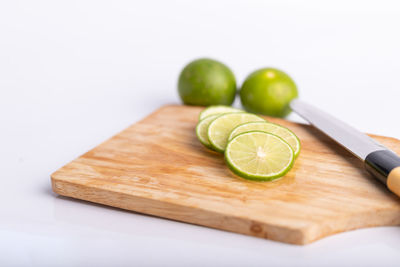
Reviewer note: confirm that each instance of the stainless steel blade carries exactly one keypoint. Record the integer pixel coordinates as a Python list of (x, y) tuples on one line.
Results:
[(356, 142)]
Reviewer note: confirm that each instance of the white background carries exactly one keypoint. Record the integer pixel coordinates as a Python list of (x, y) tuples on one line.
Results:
[(73, 73)]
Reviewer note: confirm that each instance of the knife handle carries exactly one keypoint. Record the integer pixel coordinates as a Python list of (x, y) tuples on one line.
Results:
[(385, 165)]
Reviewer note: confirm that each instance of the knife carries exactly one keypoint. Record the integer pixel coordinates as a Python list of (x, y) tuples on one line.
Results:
[(380, 161)]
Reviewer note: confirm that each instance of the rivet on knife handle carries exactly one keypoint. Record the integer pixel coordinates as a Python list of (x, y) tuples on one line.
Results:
[(385, 165)]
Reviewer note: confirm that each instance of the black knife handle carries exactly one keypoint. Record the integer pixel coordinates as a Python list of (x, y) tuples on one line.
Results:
[(385, 165)]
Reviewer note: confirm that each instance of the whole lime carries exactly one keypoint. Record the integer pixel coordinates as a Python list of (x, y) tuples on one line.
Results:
[(205, 82), (268, 91)]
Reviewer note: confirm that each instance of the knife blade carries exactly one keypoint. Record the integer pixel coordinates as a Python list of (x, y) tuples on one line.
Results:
[(380, 161)]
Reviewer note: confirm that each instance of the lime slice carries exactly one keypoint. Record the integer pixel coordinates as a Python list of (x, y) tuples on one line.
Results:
[(220, 128), (260, 156), (269, 127), (217, 110), (201, 130)]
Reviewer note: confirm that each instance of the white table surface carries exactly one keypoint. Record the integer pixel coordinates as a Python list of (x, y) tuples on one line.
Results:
[(73, 73)]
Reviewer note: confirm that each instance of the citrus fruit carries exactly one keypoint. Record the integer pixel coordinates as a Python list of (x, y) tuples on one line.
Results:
[(205, 82), (268, 91), (220, 109), (269, 127), (201, 130), (260, 156), (220, 128)]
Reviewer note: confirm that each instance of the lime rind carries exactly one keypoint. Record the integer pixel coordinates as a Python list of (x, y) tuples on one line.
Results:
[(268, 91), (219, 137), (201, 130), (278, 126), (256, 177), (218, 109)]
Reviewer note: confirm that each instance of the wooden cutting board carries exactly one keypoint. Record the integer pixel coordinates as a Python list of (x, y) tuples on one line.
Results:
[(158, 167)]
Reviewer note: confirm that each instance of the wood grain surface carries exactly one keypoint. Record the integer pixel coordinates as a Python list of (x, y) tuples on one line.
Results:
[(158, 167)]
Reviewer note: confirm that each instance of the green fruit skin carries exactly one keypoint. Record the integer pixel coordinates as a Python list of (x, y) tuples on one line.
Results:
[(268, 91), (205, 82)]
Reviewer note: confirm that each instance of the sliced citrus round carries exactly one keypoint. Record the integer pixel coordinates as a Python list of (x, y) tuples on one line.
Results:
[(219, 129), (269, 127), (201, 130), (219, 109), (258, 155)]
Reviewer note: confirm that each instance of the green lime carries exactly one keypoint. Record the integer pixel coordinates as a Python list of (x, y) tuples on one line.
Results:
[(260, 156), (268, 91), (269, 127), (220, 128), (217, 110), (201, 130), (206, 82)]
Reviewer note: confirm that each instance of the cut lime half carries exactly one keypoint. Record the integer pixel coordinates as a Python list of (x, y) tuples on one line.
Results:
[(269, 127), (219, 109), (219, 129), (258, 155), (201, 130)]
